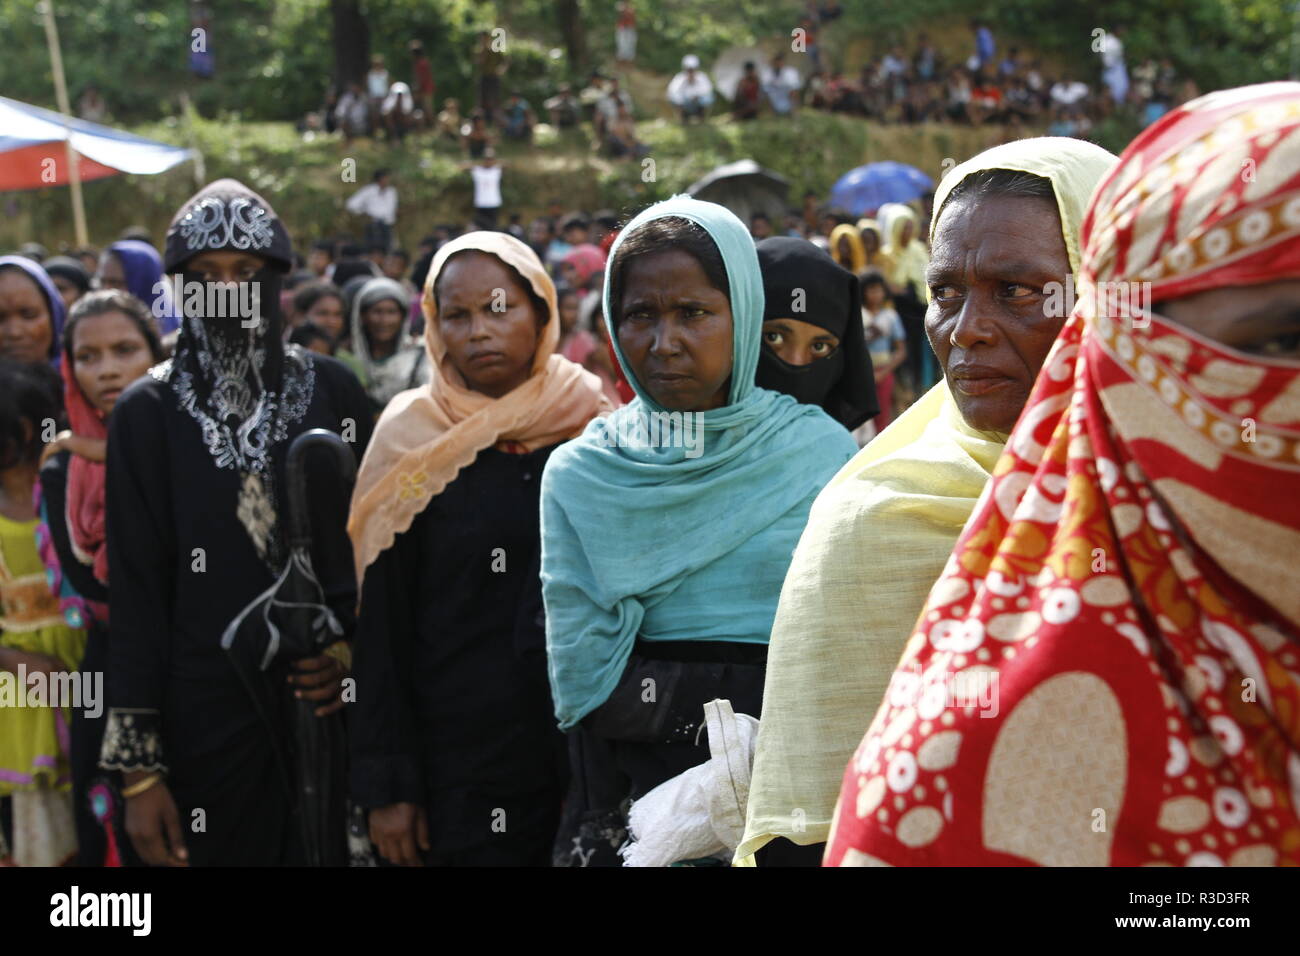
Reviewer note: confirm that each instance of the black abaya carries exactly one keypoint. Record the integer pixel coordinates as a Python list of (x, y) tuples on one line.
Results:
[(181, 567), (453, 709)]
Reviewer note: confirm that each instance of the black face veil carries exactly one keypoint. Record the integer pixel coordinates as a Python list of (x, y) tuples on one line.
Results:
[(802, 282), (231, 371)]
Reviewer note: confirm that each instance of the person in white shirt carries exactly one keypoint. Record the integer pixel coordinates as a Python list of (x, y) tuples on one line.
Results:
[(893, 64), (1069, 93), (607, 106), (398, 110), (377, 201), (1114, 71), (781, 83), (486, 174), (691, 91), (376, 86), (625, 33), (352, 114)]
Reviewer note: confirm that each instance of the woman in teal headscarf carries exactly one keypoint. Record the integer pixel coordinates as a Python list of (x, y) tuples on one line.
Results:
[(667, 527)]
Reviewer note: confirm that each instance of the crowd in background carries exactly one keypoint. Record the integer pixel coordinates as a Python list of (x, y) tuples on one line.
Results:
[(912, 82), (320, 293)]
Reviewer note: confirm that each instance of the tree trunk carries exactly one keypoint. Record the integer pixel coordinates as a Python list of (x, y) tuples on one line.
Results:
[(569, 14), (351, 42)]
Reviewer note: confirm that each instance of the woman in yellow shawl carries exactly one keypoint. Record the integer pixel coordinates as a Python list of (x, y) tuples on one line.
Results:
[(905, 252), (873, 247), (847, 249), (906, 259), (880, 532)]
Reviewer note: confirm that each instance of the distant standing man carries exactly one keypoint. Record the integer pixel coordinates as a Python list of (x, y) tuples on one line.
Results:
[(781, 84), (376, 88), (1114, 71), (625, 33), (491, 64), (422, 77), (378, 202), (985, 48), (486, 174)]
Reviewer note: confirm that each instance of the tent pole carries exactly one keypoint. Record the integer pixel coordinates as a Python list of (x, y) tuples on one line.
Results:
[(61, 93)]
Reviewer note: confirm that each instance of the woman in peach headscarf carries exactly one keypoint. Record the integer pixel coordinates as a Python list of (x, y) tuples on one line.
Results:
[(1108, 672), (454, 750)]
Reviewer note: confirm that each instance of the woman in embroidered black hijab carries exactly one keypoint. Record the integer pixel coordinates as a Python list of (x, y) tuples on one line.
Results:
[(813, 344), (196, 531)]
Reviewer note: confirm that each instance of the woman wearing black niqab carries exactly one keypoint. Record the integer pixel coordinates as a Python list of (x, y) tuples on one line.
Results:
[(812, 311), (196, 527)]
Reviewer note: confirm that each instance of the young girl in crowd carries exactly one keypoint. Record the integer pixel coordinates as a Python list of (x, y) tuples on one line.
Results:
[(662, 560), (886, 339), (813, 346), (382, 352), (576, 343), (583, 267), (31, 312), (34, 637), (110, 341), (600, 359), (453, 749), (321, 304)]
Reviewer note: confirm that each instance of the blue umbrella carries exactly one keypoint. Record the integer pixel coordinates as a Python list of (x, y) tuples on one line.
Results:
[(867, 188)]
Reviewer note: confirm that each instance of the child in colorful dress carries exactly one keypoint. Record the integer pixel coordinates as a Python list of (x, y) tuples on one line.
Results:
[(36, 643)]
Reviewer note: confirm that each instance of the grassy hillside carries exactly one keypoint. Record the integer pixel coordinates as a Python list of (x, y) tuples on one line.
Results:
[(304, 179)]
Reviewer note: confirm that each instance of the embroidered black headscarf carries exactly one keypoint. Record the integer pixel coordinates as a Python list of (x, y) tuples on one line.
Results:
[(231, 371), (801, 281)]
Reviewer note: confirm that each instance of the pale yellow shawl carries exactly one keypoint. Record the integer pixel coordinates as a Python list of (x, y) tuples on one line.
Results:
[(908, 262), (876, 541)]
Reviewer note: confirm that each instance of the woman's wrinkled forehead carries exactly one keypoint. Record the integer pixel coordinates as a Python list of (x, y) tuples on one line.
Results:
[(1007, 238), (475, 273)]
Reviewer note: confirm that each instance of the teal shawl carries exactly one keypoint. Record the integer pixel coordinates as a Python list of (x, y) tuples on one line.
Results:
[(678, 543)]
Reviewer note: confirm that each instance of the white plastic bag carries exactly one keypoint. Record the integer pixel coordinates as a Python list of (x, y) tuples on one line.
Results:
[(701, 812)]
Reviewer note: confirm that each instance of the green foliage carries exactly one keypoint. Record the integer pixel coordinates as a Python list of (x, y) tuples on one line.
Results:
[(302, 177), (274, 60), (1218, 43)]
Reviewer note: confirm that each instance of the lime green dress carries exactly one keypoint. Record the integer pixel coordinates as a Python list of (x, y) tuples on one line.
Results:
[(33, 740)]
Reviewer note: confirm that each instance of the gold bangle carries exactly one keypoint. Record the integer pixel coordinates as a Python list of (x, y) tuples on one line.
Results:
[(140, 786)]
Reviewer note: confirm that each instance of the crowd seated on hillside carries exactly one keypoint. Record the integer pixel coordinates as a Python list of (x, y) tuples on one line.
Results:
[(910, 83)]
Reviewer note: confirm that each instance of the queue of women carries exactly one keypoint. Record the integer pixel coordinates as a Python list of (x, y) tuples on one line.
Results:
[(1046, 616)]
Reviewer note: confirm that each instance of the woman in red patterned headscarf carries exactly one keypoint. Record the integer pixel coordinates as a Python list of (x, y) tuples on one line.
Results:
[(1108, 671)]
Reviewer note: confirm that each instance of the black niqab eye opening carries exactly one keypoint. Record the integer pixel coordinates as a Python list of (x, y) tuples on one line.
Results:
[(802, 282)]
